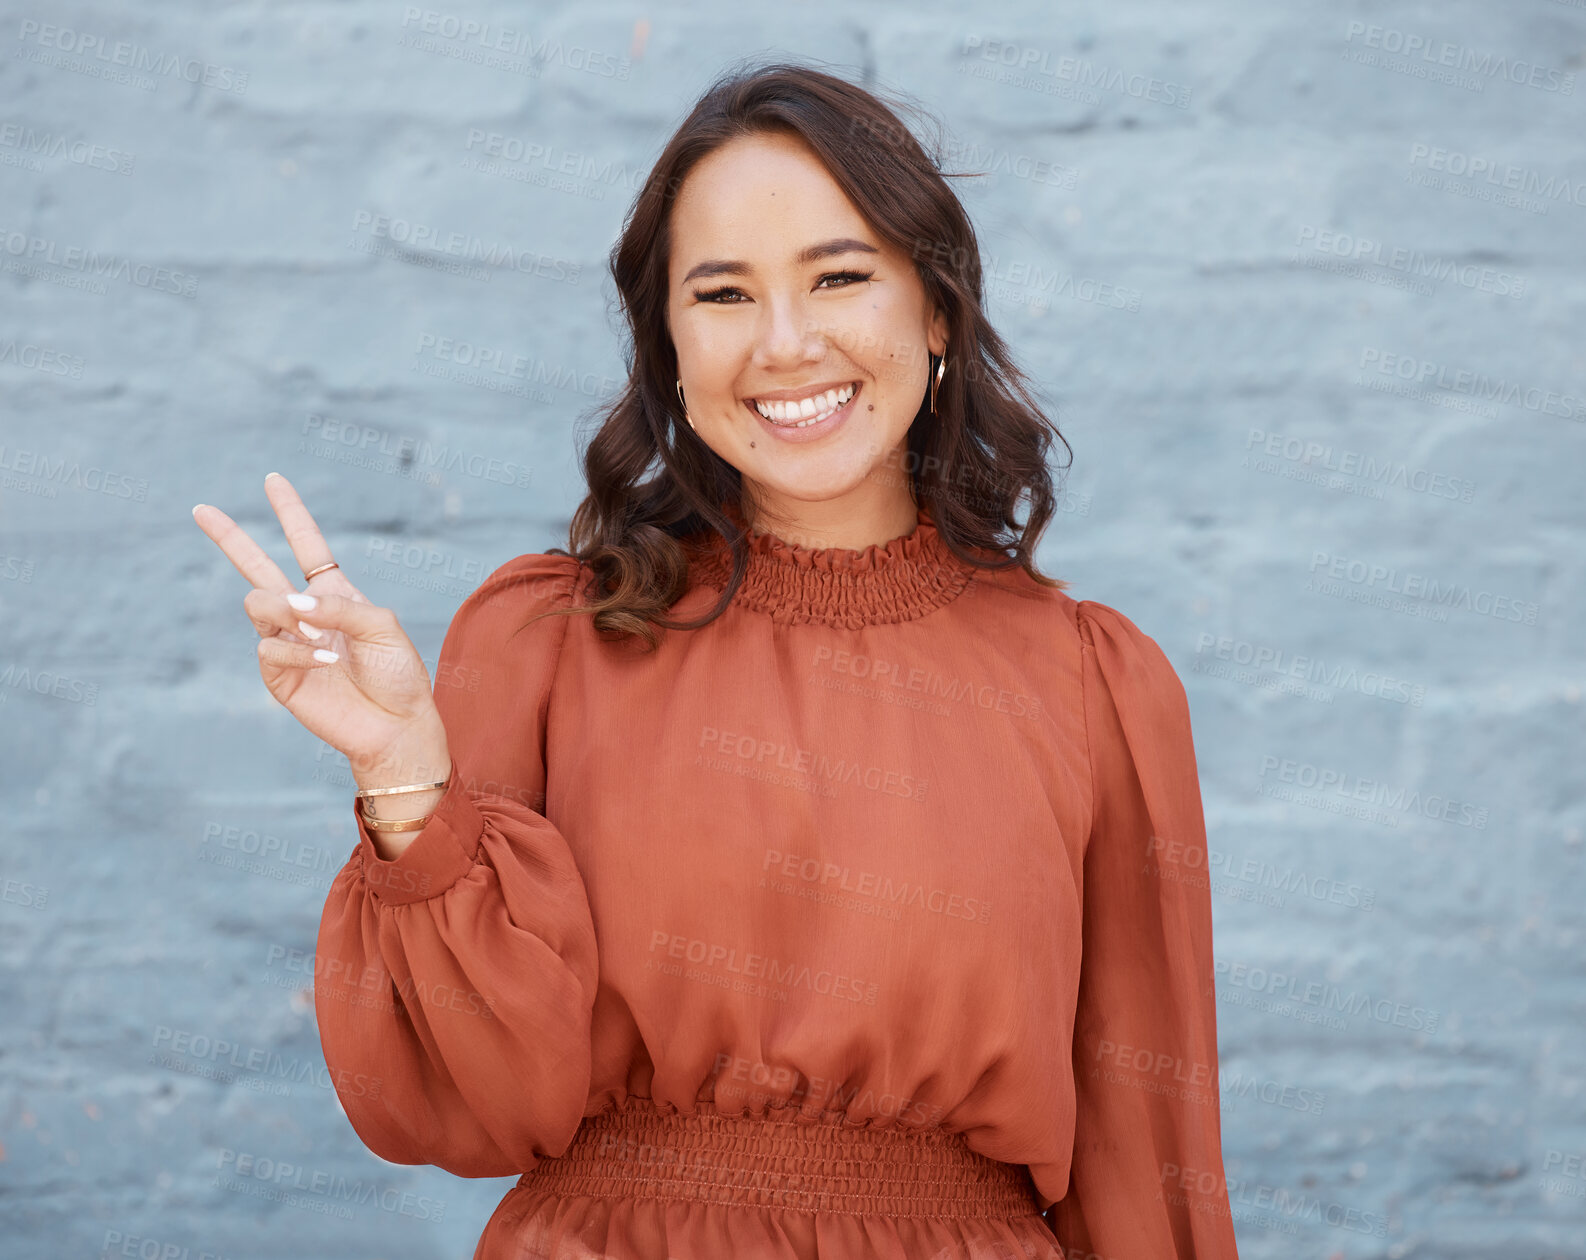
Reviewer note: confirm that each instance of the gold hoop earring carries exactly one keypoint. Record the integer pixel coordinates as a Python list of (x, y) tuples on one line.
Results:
[(686, 416), (937, 379)]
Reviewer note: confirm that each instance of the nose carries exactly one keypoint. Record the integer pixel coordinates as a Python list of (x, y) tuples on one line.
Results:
[(787, 336)]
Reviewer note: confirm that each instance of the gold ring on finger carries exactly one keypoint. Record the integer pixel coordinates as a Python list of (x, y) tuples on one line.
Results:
[(313, 573)]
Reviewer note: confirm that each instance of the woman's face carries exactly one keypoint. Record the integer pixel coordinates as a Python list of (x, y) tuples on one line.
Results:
[(779, 290)]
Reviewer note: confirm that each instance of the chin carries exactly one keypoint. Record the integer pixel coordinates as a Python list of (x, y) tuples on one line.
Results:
[(813, 486), (814, 476)]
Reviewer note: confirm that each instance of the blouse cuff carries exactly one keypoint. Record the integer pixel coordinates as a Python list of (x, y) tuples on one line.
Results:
[(445, 850)]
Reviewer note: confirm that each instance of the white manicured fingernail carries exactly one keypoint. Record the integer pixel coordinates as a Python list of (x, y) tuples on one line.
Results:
[(309, 632), (326, 655), (303, 603)]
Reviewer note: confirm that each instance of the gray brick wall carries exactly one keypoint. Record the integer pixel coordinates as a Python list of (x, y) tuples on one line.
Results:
[(1304, 286)]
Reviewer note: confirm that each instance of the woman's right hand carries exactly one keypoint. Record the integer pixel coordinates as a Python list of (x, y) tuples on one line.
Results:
[(373, 702)]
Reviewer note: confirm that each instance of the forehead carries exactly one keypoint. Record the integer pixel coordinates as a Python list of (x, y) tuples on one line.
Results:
[(759, 199)]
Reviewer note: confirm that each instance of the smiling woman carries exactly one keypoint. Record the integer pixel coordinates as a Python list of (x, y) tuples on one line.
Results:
[(796, 872), (803, 296)]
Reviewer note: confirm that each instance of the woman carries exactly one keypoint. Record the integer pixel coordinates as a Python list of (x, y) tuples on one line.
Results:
[(789, 869)]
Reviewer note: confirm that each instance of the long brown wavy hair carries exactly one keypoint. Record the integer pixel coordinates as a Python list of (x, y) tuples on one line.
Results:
[(652, 482)]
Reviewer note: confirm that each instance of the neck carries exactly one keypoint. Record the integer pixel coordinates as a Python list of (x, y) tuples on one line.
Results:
[(865, 516)]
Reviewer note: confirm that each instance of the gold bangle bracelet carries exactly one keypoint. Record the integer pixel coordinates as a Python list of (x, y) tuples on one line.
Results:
[(396, 824), (392, 791)]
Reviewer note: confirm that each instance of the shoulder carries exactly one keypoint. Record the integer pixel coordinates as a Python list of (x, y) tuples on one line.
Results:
[(1012, 595), (1125, 652), (533, 579), (515, 593), (1127, 674), (1102, 626)]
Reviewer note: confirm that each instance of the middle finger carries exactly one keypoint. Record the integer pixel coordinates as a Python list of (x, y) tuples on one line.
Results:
[(302, 535)]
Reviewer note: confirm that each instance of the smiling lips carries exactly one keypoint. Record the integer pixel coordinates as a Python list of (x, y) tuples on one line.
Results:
[(803, 412)]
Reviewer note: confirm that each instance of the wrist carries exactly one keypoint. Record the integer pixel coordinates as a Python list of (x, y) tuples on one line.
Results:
[(402, 805), (422, 757)]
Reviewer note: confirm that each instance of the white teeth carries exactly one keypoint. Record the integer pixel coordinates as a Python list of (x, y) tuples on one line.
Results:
[(807, 411)]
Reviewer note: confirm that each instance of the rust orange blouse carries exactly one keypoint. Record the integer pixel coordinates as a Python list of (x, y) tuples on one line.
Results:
[(892, 842)]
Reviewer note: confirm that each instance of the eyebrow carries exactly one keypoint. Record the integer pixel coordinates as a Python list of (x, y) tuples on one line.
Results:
[(809, 254)]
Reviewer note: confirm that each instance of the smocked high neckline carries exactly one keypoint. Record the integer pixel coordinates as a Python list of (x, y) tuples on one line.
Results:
[(904, 579)]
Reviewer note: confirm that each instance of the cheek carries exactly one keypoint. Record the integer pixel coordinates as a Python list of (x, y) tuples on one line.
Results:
[(719, 344), (885, 339), (710, 356)]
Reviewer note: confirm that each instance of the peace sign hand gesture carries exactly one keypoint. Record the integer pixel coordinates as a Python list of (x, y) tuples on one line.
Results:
[(341, 665)]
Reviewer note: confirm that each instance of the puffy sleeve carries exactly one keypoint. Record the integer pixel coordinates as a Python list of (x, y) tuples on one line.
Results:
[(453, 986), (1146, 1176)]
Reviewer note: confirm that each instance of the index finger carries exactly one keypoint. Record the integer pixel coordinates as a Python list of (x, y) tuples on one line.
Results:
[(246, 556)]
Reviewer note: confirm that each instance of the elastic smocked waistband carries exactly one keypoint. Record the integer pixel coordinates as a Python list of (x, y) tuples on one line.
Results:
[(795, 1163)]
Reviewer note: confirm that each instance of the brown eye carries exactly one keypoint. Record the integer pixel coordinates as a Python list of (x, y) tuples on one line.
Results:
[(850, 276)]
